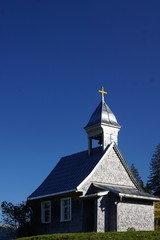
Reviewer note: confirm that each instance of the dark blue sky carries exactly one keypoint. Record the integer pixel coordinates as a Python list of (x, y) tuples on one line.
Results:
[(54, 56)]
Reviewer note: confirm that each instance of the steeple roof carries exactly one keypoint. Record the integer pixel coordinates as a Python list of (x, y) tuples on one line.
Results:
[(103, 115)]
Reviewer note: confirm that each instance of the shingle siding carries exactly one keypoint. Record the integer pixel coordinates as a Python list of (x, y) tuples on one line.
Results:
[(101, 203), (106, 214), (110, 170), (137, 215)]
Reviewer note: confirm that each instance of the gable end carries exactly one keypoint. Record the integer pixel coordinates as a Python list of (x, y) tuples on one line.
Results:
[(126, 167)]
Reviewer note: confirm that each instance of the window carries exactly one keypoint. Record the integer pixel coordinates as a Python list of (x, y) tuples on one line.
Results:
[(46, 212), (65, 209)]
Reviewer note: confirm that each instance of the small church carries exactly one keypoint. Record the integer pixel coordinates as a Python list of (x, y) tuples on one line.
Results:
[(93, 190)]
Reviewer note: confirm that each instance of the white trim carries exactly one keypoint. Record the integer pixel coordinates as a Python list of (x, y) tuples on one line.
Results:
[(103, 193), (43, 212), (138, 197), (52, 194), (62, 216), (110, 185), (95, 168), (99, 194)]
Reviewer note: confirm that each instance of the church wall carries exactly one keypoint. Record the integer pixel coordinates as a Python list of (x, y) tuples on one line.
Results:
[(101, 211), (56, 226), (37, 227), (137, 215), (112, 216), (106, 213), (109, 171), (75, 225), (89, 215)]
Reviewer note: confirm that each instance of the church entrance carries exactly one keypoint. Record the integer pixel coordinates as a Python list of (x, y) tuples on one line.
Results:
[(89, 215)]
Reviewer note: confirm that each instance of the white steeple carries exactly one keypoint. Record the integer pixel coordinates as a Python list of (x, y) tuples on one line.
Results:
[(102, 126)]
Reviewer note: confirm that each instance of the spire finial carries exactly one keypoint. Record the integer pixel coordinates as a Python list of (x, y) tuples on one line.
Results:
[(102, 92)]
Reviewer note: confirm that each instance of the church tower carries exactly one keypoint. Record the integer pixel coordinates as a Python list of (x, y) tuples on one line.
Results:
[(102, 125)]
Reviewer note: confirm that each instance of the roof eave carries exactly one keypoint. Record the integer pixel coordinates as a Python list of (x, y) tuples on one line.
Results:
[(95, 195), (90, 127), (152, 198), (52, 194)]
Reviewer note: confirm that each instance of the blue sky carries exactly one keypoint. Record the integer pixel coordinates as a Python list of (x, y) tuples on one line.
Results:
[(54, 56)]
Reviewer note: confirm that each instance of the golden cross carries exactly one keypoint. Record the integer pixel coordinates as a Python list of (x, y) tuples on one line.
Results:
[(102, 92)]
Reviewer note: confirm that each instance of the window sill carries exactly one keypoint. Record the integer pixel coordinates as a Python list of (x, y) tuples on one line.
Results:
[(67, 220), (45, 222)]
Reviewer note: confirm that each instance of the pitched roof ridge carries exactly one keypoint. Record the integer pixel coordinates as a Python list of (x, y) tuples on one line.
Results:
[(112, 185), (81, 152)]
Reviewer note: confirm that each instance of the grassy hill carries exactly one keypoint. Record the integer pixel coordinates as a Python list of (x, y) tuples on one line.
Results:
[(152, 235)]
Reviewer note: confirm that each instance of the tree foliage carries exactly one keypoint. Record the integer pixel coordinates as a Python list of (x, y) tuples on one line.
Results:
[(136, 175), (16, 217), (154, 177)]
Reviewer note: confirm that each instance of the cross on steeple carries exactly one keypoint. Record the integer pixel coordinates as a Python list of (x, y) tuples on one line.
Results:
[(102, 92)]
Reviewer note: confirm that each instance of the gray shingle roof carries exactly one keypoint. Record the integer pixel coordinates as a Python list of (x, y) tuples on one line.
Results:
[(127, 192), (68, 173), (102, 114)]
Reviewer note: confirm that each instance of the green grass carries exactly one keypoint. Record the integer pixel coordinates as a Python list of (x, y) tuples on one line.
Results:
[(152, 235)]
